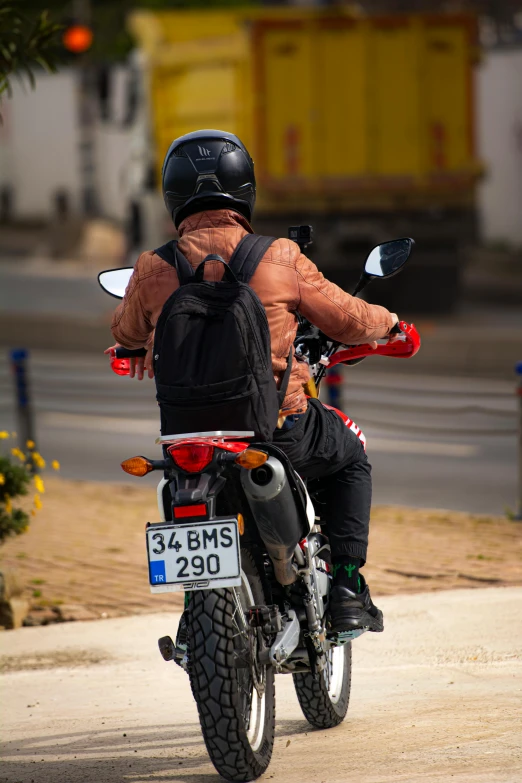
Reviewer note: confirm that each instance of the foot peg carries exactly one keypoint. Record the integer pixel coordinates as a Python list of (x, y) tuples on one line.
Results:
[(175, 651), (342, 637), (166, 648)]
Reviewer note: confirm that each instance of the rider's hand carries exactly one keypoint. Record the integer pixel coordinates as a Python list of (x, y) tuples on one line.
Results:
[(138, 364), (395, 318)]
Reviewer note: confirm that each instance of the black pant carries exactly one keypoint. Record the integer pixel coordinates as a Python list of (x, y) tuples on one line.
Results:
[(320, 445)]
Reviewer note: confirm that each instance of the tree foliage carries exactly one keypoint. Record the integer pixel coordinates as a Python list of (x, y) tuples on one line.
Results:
[(26, 42)]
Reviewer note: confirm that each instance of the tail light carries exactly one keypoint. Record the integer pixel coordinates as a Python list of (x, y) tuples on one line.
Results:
[(195, 510), (192, 457)]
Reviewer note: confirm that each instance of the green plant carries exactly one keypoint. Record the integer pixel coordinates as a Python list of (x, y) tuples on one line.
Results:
[(26, 42), (16, 476), (14, 482)]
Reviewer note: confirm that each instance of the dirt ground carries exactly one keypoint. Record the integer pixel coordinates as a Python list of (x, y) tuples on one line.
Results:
[(84, 554), (435, 699)]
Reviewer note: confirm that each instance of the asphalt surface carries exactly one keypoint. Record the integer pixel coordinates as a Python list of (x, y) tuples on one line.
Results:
[(438, 442), (435, 698), (52, 287)]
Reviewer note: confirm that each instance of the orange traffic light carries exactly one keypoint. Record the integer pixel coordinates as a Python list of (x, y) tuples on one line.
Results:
[(77, 38)]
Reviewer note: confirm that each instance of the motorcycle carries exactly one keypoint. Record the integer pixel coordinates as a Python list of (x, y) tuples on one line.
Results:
[(244, 537)]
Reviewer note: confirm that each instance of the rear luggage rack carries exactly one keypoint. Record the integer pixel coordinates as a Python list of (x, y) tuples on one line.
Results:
[(166, 439)]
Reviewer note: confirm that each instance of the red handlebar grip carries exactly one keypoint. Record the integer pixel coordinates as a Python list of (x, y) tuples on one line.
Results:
[(398, 346), (119, 366)]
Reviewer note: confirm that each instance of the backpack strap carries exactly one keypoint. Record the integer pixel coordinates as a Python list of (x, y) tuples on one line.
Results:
[(228, 273), (173, 256), (281, 392), (247, 255), (244, 261)]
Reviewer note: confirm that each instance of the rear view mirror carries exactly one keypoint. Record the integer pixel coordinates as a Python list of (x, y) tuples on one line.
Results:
[(387, 259), (115, 281)]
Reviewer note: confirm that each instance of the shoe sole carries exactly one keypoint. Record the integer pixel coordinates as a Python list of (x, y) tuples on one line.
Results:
[(358, 620)]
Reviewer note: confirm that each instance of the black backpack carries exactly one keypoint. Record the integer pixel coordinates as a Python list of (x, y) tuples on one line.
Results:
[(212, 357)]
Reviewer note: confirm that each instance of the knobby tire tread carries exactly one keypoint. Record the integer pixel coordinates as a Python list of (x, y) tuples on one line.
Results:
[(315, 703), (214, 685)]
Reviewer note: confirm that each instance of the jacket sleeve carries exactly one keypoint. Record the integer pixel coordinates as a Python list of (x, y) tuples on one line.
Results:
[(131, 325), (342, 317)]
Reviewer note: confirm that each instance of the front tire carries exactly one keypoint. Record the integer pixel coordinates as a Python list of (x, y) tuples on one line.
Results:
[(237, 718), (324, 697)]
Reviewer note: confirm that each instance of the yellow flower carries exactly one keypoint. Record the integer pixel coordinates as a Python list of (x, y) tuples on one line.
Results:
[(30, 444), (8, 505), (37, 502), (33, 512), (3, 435), (17, 453), (38, 460), (2, 479), (39, 485), (55, 464)]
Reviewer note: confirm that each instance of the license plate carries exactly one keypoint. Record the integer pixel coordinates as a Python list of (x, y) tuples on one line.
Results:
[(193, 555)]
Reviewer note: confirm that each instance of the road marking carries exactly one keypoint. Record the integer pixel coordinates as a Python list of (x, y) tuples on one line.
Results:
[(429, 448), (76, 421)]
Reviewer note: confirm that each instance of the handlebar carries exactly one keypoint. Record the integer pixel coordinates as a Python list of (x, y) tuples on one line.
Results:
[(120, 359), (402, 345), (127, 353), (404, 341)]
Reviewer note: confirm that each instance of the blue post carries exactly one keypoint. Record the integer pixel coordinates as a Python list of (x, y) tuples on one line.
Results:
[(518, 370), (333, 380), (24, 408)]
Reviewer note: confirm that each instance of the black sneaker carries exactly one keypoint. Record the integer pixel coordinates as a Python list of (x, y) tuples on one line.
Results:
[(351, 611)]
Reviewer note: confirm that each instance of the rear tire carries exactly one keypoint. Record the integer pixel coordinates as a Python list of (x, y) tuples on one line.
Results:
[(237, 724), (324, 697)]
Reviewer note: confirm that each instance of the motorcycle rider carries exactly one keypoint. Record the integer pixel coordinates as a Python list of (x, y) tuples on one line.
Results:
[(211, 205)]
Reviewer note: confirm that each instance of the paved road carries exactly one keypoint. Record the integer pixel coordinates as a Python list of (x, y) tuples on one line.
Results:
[(437, 442), (435, 698), (52, 288)]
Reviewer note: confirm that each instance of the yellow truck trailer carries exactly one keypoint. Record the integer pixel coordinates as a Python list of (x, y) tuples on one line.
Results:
[(362, 125)]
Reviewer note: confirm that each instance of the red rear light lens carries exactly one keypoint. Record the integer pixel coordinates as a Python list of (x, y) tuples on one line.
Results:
[(191, 457), (198, 510)]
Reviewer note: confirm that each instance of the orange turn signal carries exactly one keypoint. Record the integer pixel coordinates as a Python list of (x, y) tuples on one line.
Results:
[(251, 458), (137, 466), (240, 524)]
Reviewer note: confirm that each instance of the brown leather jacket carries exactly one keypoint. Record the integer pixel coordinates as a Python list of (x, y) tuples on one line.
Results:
[(286, 281)]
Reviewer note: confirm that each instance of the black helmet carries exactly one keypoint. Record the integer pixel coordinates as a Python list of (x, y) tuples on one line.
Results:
[(208, 169)]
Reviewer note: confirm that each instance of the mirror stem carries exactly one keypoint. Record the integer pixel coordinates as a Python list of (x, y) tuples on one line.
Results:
[(362, 283)]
